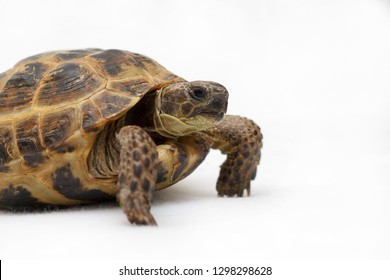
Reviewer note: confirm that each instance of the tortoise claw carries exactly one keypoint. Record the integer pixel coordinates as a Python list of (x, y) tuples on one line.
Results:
[(137, 211), (141, 218), (232, 190)]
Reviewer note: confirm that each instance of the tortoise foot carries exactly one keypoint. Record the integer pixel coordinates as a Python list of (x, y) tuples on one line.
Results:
[(241, 139), (233, 189), (136, 210)]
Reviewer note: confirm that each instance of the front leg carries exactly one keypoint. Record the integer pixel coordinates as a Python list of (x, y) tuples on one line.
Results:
[(144, 167), (241, 140), (137, 174)]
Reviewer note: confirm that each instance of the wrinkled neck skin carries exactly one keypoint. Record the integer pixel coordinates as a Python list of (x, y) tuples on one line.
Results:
[(169, 126)]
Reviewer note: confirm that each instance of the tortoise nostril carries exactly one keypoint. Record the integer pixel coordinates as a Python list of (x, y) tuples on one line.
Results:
[(219, 105)]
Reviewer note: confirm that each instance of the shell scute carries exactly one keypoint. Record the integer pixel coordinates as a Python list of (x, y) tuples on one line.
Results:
[(135, 86), (19, 198), (19, 89), (112, 104), (116, 64), (74, 54), (91, 117), (110, 61), (7, 149), (68, 83), (57, 127), (28, 142), (70, 186)]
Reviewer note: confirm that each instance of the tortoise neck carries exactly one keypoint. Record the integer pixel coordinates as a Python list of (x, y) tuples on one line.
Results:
[(103, 160), (142, 113)]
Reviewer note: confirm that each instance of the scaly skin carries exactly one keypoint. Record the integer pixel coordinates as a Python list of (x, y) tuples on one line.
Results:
[(241, 140), (144, 167), (141, 160), (137, 174)]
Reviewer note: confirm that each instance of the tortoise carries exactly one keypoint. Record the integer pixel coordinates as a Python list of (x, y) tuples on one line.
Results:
[(91, 125)]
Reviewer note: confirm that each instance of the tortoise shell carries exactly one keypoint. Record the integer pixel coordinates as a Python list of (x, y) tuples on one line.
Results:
[(52, 107)]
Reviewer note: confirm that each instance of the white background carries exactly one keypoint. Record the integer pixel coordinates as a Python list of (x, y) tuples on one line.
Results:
[(315, 75)]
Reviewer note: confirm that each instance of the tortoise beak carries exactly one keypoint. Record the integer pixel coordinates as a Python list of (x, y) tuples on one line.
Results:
[(219, 105), (218, 102)]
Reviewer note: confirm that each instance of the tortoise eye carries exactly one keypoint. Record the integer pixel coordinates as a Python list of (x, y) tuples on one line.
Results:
[(199, 94)]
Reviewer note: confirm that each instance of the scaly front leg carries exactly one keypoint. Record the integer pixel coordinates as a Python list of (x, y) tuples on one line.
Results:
[(144, 167), (241, 140), (137, 174)]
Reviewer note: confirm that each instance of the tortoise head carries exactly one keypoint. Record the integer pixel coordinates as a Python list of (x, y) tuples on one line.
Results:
[(186, 107)]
